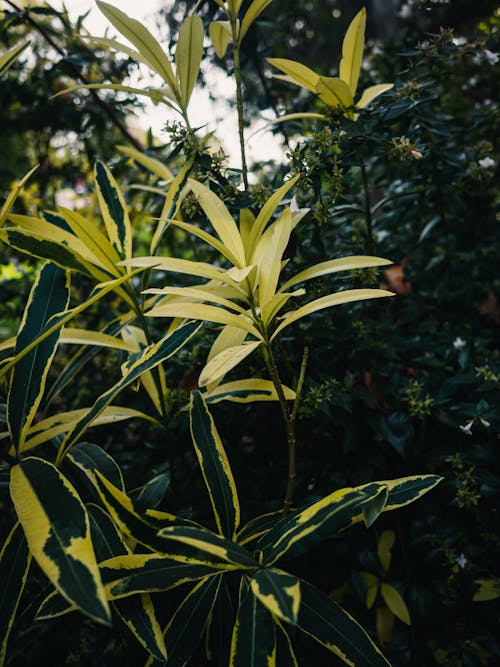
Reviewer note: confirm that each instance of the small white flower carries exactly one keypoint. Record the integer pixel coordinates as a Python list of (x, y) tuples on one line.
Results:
[(458, 343), (467, 427), (406, 10), (486, 162), (461, 561), (492, 58)]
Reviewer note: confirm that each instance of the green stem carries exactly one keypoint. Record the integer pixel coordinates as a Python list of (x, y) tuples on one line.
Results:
[(239, 99), (368, 211)]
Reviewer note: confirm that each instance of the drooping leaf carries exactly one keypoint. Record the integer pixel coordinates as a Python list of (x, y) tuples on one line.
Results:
[(188, 55), (49, 296), (215, 467), (330, 625), (15, 560), (246, 391), (189, 621), (57, 530), (114, 210), (279, 592), (300, 74)]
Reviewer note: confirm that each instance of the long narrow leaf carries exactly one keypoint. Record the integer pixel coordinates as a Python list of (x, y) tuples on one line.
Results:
[(57, 529), (114, 210), (279, 592), (352, 51), (254, 638), (188, 55), (215, 467), (49, 296)]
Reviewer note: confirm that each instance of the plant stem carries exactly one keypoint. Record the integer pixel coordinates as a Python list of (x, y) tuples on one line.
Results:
[(239, 99), (368, 211), (289, 417)]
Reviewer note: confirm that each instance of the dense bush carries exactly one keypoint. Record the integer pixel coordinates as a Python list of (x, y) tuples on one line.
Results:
[(402, 389)]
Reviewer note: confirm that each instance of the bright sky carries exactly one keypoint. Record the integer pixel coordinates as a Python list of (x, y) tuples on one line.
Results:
[(217, 117)]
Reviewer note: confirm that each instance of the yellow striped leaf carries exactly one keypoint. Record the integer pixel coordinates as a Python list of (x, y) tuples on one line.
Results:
[(253, 642), (225, 361), (332, 266), (171, 204), (221, 220), (246, 391), (329, 301), (188, 55), (279, 592), (114, 210), (15, 560), (139, 615), (330, 625), (49, 296), (352, 51), (56, 526), (194, 294), (215, 467)]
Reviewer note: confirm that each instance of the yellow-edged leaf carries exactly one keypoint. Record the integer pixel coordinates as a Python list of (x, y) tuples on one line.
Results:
[(329, 301), (225, 361), (114, 210), (86, 337), (172, 203), (352, 51), (247, 391)]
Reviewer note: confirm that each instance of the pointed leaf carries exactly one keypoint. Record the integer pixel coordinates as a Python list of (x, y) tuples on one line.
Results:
[(15, 560), (258, 526), (269, 266), (188, 55), (246, 391), (395, 602), (334, 92), (13, 194), (9, 58), (220, 34), (279, 592), (256, 8), (215, 467), (172, 203), (332, 266), (225, 361), (384, 548), (333, 627), (49, 296), (114, 210), (254, 639), (352, 51), (369, 94), (153, 165), (143, 41), (372, 585), (189, 621), (300, 74), (329, 301), (138, 613), (373, 507), (57, 529), (90, 458), (151, 494)]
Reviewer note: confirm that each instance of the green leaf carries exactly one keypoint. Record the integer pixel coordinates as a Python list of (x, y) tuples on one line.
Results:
[(352, 51), (285, 653), (146, 360), (188, 55), (279, 592), (141, 573), (332, 266), (489, 589), (254, 638), (151, 494), (139, 614), (15, 560), (246, 391), (189, 621), (143, 41), (49, 296), (90, 458), (13, 194), (258, 526), (329, 301), (57, 529), (334, 628), (374, 506), (113, 210), (211, 544), (395, 602), (215, 467), (220, 34), (256, 8), (301, 530), (7, 60)]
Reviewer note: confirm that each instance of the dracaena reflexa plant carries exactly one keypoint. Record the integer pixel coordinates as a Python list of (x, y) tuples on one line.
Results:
[(236, 587), (336, 92), (247, 298)]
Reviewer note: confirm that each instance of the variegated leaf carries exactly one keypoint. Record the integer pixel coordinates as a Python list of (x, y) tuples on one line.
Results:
[(279, 592)]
